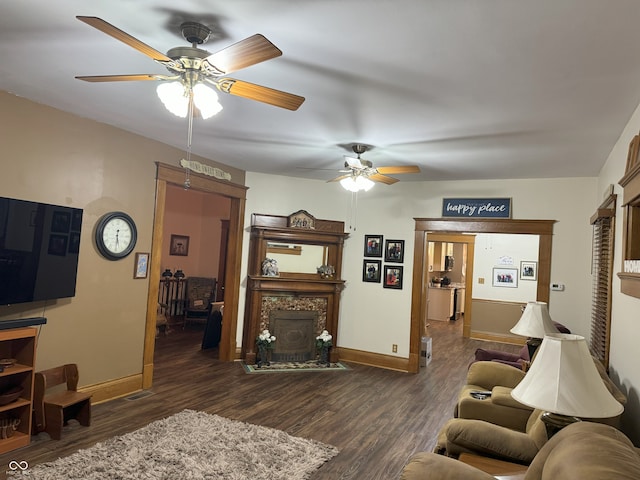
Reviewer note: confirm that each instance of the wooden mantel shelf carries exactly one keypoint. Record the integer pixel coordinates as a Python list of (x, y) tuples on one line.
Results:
[(295, 284)]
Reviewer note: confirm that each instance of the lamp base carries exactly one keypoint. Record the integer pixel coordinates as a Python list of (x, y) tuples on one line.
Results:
[(532, 346), (556, 422)]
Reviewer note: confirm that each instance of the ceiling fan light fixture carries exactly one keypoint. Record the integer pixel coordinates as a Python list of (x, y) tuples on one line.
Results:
[(355, 184), (174, 98), (206, 99)]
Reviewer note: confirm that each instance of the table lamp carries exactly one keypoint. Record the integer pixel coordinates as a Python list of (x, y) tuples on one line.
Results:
[(534, 323), (565, 383)]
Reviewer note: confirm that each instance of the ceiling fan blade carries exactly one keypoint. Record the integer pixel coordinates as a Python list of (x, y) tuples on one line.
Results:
[(399, 169), (258, 93), (124, 37), (247, 52), (376, 177), (337, 179), (124, 78)]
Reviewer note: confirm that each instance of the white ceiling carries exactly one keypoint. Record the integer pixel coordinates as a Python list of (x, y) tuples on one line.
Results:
[(465, 89)]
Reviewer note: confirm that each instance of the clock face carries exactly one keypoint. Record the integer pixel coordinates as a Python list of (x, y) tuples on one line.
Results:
[(116, 235)]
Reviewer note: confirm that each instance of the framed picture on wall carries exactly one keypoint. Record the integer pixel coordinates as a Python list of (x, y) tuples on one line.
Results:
[(392, 277), (528, 270), (141, 265), (394, 251), (505, 277), (371, 271), (373, 245), (179, 245)]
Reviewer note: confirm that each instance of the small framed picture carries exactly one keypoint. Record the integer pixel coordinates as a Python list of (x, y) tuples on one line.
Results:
[(141, 265), (505, 277), (394, 251), (528, 270), (179, 245), (373, 245), (371, 271), (392, 277)]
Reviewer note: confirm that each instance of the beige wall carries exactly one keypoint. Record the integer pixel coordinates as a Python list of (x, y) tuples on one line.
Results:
[(58, 158)]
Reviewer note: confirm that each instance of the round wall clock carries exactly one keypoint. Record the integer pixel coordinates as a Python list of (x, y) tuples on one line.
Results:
[(116, 235)]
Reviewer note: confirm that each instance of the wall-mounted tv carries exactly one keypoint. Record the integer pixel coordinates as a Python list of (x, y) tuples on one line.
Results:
[(39, 247)]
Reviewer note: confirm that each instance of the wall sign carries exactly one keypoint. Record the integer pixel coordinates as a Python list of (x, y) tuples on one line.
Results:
[(476, 207)]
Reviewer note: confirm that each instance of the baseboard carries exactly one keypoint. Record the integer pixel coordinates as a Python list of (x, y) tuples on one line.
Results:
[(121, 387), (373, 359)]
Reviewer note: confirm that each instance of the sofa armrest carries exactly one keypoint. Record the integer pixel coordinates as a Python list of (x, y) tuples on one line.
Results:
[(484, 438), (431, 466), (502, 396), (490, 374)]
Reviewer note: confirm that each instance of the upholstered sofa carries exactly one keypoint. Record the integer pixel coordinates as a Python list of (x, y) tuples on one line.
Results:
[(500, 408), (581, 451)]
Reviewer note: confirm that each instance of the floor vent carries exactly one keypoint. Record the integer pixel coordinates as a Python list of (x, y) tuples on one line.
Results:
[(139, 395)]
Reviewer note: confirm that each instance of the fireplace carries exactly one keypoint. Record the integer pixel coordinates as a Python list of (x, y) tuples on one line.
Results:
[(295, 331)]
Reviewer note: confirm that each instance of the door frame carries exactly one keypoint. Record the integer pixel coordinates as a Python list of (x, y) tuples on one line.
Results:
[(423, 226), (168, 174)]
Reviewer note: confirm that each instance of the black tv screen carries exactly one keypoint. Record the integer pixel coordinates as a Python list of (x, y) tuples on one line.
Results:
[(39, 247)]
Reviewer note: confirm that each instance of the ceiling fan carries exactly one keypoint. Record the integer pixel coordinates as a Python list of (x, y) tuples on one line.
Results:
[(360, 173), (191, 66)]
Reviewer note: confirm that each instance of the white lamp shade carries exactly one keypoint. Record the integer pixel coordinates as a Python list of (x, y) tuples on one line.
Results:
[(565, 381), (535, 321)]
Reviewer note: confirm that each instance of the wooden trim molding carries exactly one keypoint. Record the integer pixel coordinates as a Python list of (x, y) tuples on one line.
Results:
[(373, 359), (168, 174), (630, 182), (121, 387), (443, 226)]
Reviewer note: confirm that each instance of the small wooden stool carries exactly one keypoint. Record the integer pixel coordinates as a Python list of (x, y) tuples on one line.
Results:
[(53, 410)]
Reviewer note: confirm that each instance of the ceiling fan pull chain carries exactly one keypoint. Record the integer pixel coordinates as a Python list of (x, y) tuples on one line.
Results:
[(353, 211), (187, 179)]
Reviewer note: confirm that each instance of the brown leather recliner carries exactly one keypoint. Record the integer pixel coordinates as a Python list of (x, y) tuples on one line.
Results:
[(581, 451)]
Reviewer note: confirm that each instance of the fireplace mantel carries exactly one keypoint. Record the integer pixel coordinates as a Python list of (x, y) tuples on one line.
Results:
[(292, 290)]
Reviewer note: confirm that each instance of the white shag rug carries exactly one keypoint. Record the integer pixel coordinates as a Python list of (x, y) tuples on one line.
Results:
[(191, 445)]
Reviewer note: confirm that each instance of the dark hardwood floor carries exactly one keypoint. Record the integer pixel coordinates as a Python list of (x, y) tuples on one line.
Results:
[(377, 418)]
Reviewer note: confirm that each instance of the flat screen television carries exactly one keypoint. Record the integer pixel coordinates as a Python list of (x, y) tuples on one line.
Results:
[(39, 247)]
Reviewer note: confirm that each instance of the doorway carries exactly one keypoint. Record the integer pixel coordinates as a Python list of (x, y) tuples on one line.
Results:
[(459, 227), (193, 275), (170, 175)]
